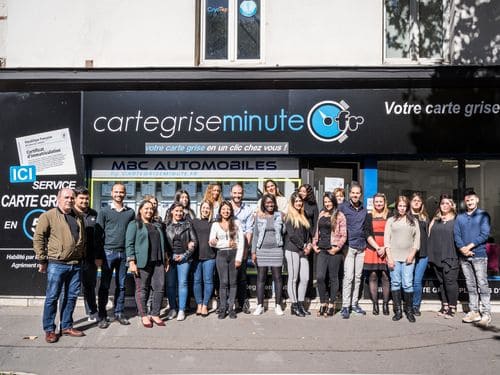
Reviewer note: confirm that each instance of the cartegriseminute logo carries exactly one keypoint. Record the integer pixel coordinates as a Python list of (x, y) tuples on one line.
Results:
[(329, 121)]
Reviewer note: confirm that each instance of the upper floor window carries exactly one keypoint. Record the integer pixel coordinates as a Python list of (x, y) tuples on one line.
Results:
[(231, 31), (414, 30)]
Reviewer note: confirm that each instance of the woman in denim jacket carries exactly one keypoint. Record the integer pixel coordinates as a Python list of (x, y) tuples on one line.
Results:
[(267, 250)]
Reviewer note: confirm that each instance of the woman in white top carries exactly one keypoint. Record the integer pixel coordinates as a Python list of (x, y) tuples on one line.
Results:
[(401, 241), (226, 235)]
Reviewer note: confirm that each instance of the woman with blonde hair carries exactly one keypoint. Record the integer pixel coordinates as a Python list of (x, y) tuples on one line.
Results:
[(271, 188), (375, 262), (339, 194), (213, 194), (329, 237), (401, 241), (297, 248), (443, 254), (418, 211)]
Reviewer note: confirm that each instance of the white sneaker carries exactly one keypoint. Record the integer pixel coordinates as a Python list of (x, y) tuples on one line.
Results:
[(278, 310), (181, 316), (171, 314), (259, 310), (471, 317), (93, 317), (485, 320)]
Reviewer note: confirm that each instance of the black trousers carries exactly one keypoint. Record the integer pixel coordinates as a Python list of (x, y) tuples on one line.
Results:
[(151, 278), (242, 293), (261, 282), (331, 263), (224, 261), (448, 284), (89, 281)]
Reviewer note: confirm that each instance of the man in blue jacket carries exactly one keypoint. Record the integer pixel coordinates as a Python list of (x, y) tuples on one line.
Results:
[(472, 229), (355, 215)]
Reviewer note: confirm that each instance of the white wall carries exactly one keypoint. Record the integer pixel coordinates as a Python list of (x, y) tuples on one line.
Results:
[(323, 32), (162, 33), (112, 33)]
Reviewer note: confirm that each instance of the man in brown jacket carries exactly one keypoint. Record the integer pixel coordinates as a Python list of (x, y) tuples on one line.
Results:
[(59, 244)]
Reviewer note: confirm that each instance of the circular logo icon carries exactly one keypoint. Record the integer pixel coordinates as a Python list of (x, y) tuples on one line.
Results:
[(30, 221), (248, 8), (323, 122)]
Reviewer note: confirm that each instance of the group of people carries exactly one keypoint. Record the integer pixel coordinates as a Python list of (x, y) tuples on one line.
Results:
[(72, 240)]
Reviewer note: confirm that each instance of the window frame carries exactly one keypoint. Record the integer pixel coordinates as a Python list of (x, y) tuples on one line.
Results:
[(232, 41), (414, 22)]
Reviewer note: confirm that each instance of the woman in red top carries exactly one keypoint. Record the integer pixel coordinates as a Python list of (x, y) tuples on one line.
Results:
[(375, 258)]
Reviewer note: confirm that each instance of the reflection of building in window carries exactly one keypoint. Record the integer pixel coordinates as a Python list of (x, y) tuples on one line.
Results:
[(415, 29), (231, 30)]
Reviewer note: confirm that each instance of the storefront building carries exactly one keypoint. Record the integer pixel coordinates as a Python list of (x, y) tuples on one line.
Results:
[(396, 130)]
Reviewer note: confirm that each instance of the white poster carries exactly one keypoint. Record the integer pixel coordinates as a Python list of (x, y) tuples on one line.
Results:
[(331, 183), (51, 152)]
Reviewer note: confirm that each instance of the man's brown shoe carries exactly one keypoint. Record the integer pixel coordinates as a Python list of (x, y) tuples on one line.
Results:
[(51, 337), (73, 332)]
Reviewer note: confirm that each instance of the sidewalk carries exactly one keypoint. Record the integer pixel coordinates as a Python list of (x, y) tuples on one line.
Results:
[(267, 343)]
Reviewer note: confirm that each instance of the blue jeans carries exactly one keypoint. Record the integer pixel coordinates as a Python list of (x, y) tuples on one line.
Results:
[(59, 276), (476, 278), (115, 261), (402, 276), (420, 267), (177, 281), (203, 272)]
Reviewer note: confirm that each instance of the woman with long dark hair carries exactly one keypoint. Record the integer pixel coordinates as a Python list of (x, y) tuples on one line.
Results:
[(443, 254), (226, 235), (181, 197), (182, 239), (419, 212), (297, 248), (329, 237), (311, 210), (401, 241), (375, 262), (204, 262), (267, 250), (147, 260)]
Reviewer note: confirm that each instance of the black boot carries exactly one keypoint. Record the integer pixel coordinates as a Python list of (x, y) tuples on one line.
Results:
[(375, 310), (409, 307), (385, 308), (300, 306), (296, 311), (416, 311), (396, 301)]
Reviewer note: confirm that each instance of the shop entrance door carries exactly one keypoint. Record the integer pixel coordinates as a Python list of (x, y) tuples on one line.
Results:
[(328, 176)]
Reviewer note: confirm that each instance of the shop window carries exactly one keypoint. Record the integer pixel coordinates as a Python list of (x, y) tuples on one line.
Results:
[(430, 178), (231, 31), (414, 30)]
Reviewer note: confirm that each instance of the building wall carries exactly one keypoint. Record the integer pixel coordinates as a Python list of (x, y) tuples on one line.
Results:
[(163, 33), (320, 32), (112, 33)]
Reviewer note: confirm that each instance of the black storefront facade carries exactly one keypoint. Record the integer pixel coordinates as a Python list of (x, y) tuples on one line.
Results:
[(160, 130)]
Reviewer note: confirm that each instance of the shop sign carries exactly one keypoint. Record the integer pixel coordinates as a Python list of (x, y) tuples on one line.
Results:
[(294, 122), (118, 168)]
